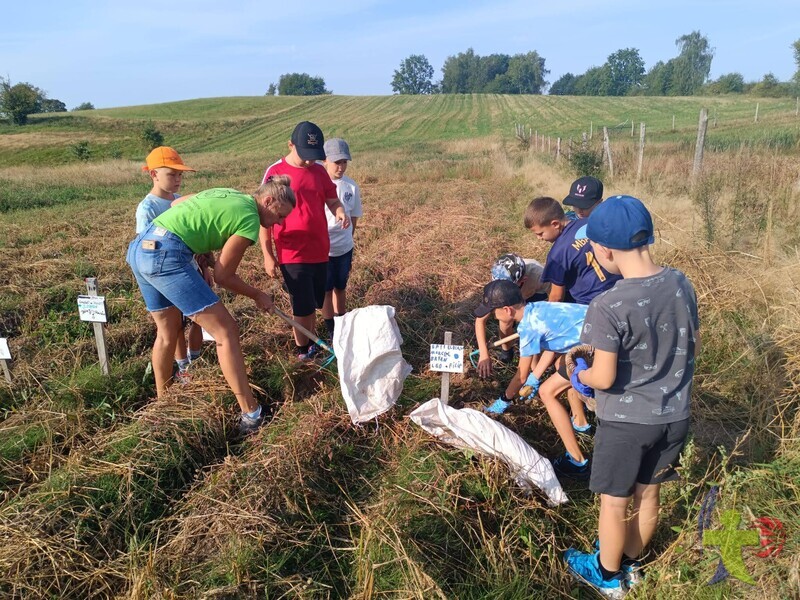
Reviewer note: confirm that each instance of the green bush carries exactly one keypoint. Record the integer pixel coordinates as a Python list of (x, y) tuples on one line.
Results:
[(152, 137), (81, 150)]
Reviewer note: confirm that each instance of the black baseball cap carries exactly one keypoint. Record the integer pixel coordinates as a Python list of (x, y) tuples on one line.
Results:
[(497, 294), (308, 140), (585, 192)]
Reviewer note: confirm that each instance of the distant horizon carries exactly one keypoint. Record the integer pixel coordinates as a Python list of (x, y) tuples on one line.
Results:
[(120, 55)]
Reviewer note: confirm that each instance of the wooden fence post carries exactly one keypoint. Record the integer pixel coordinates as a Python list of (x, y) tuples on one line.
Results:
[(673, 122), (641, 153), (631, 127), (701, 140), (607, 146), (755, 119), (558, 149), (444, 393), (548, 144), (99, 331), (591, 129)]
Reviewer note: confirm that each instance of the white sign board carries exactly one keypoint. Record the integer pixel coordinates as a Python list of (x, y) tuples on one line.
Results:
[(5, 353), (92, 308), (449, 359)]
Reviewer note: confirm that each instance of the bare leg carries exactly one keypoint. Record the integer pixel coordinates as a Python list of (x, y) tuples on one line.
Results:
[(221, 325), (548, 392), (167, 322), (612, 527), (195, 337), (180, 346), (309, 322), (644, 518), (327, 306), (339, 301), (576, 408), (506, 328)]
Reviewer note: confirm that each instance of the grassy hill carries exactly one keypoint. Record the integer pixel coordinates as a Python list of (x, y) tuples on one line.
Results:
[(105, 492)]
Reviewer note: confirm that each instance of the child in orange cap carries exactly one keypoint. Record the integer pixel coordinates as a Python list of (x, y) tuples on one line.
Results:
[(166, 169)]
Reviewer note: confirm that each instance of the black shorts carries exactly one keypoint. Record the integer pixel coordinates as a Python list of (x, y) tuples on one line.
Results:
[(629, 453), (339, 271), (305, 283)]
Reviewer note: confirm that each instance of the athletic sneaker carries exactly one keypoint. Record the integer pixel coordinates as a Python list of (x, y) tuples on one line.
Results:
[(182, 377), (632, 569), (506, 356), (568, 467), (586, 568), (581, 428), (248, 425), (498, 407), (309, 354)]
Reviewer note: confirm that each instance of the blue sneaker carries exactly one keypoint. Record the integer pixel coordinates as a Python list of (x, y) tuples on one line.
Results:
[(567, 466), (580, 428), (585, 567), (498, 407), (632, 569)]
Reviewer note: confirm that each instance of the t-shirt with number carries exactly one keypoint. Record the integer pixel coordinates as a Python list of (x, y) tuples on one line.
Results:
[(350, 197), (554, 326), (571, 264), (207, 220), (303, 237), (651, 324)]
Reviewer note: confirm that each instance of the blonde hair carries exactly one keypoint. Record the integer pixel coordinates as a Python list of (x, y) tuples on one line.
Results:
[(277, 188), (542, 211)]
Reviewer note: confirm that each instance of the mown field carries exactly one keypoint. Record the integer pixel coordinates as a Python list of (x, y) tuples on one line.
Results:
[(108, 493)]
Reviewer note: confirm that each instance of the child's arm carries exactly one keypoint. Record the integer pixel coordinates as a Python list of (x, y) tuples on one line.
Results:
[(602, 373), (484, 360), (557, 293), (336, 207), (270, 262), (526, 363)]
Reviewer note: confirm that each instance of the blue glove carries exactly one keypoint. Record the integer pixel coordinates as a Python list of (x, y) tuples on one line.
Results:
[(531, 386), (581, 388)]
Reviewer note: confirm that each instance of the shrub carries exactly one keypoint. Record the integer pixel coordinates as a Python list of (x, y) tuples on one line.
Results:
[(152, 137), (81, 150)]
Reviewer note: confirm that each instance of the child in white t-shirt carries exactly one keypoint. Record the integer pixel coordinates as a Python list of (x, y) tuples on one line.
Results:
[(340, 259)]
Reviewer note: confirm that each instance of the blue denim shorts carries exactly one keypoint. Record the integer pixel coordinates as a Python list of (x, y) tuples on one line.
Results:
[(339, 271), (165, 271)]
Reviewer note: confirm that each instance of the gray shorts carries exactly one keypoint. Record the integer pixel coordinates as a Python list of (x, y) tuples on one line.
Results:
[(629, 453)]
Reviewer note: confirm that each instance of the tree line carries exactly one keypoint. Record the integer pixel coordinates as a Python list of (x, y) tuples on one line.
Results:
[(19, 100)]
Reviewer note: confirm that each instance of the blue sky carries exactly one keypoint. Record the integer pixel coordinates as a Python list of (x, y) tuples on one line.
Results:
[(120, 53)]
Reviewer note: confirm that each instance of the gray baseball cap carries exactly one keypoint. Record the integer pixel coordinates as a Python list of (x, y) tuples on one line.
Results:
[(337, 149)]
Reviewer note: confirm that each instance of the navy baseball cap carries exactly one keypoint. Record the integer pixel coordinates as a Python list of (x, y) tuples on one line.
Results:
[(621, 223), (497, 294), (308, 140), (585, 192)]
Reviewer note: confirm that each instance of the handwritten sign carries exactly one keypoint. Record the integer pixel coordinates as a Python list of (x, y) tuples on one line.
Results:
[(446, 358), (5, 353), (92, 309)]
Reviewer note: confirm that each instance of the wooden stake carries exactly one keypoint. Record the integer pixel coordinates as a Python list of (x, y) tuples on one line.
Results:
[(673, 122), (558, 149), (591, 129), (755, 119), (6, 372), (701, 140), (607, 146), (99, 331), (641, 153), (631, 127), (444, 393)]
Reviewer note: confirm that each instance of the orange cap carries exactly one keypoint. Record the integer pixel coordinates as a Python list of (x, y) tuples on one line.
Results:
[(164, 156)]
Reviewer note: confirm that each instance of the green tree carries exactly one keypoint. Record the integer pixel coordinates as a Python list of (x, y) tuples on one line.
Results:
[(20, 100), (527, 74), (729, 83), (457, 72), (593, 83), (414, 76), (301, 84), (796, 51), (658, 78), (272, 90), (84, 106), (564, 85), (692, 66), (625, 71), (51, 105), (770, 87)]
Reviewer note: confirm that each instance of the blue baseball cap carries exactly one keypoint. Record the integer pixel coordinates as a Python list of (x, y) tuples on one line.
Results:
[(621, 223)]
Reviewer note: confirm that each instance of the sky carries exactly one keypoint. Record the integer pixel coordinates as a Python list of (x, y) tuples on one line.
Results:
[(121, 53)]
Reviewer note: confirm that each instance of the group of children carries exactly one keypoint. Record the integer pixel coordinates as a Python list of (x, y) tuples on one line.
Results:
[(599, 285), (642, 321), (303, 216)]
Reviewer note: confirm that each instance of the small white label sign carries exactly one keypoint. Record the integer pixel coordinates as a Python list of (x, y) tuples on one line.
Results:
[(92, 308), (449, 359), (5, 353)]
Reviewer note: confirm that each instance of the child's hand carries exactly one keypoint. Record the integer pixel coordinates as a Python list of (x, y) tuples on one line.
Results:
[(530, 388), (484, 366), (581, 388)]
